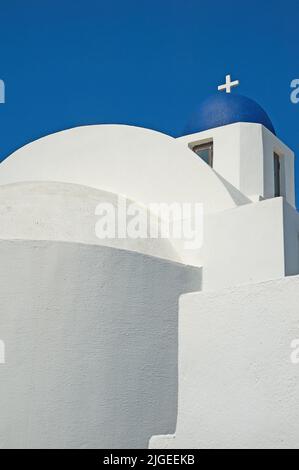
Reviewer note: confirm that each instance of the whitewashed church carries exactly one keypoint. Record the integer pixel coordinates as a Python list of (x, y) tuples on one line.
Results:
[(136, 343)]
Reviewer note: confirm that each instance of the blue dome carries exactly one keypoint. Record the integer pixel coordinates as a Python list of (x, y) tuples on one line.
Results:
[(226, 108)]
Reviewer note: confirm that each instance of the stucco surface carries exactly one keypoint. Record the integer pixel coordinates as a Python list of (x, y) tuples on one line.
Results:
[(237, 385), (143, 165), (67, 212), (246, 245), (243, 157), (91, 345)]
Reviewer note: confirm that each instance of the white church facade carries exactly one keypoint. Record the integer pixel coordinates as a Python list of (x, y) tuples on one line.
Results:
[(130, 343)]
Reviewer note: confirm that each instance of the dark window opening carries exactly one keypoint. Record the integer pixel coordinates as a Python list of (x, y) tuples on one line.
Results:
[(205, 152), (277, 175)]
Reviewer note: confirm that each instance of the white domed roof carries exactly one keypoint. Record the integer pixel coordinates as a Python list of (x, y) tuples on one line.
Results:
[(141, 164)]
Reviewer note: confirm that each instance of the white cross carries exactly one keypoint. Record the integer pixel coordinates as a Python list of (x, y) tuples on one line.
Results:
[(228, 84)]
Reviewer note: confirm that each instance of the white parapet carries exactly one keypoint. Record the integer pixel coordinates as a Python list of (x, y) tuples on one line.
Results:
[(238, 373), (251, 243)]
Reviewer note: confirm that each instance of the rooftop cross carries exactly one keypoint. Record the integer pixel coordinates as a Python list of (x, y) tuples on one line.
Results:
[(228, 84)]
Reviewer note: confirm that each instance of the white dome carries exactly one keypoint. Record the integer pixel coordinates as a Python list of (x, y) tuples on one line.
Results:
[(144, 165)]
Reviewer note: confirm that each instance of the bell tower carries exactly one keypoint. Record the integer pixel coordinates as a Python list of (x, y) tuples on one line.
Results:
[(235, 136)]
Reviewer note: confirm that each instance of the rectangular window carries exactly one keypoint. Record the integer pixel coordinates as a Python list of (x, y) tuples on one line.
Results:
[(277, 175), (205, 152)]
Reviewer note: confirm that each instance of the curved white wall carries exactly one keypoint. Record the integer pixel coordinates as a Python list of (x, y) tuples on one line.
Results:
[(66, 212), (91, 345)]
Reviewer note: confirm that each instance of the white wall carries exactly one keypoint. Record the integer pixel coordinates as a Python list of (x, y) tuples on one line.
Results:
[(91, 345), (244, 245), (272, 144), (238, 387), (67, 212), (252, 160), (226, 156), (243, 155)]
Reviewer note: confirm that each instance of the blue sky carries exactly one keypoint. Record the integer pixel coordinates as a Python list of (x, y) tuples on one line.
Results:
[(147, 63)]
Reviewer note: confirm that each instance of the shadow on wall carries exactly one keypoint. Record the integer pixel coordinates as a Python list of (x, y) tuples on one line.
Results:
[(91, 345)]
